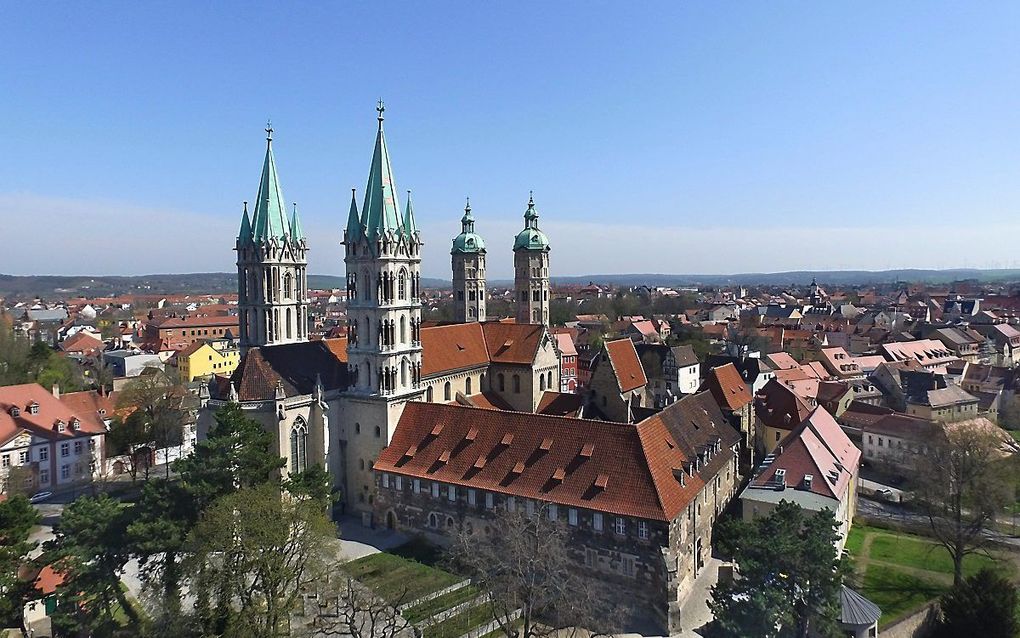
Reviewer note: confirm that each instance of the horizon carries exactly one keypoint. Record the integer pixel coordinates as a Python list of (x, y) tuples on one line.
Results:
[(704, 142)]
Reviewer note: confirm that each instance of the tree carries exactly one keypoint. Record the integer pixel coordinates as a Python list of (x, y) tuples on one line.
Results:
[(237, 453), (314, 483), (131, 438), (790, 576), (963, 480), (984, 604), (159, 401), (90, 550), (17, 518), (346, 608), (527, 566), (254, 552)]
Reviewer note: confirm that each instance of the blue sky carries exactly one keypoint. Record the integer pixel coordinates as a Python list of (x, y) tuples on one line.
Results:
[(677, 137)]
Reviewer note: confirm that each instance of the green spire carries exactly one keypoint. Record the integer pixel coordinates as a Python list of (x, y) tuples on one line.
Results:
[(270, 218), (353, 221), (381, 208), (410, 228), (468, 241), (531, 238), (296, 232), (244, 235)]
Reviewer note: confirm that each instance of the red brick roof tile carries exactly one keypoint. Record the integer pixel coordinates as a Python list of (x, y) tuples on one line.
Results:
[(626, 365)]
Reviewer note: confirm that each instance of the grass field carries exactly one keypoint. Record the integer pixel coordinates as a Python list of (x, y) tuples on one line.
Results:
[(442, 603), (398, 580), (458, 625), (900, 572)]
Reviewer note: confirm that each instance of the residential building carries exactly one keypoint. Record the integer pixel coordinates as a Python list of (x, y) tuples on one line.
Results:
[(567, 353), (617, 383), (816, 466), (203, 359), (893, 441), (932, 354), (50, 444), (130, 363), (735, 400), (932, 396), (672, 371), (778, 410)]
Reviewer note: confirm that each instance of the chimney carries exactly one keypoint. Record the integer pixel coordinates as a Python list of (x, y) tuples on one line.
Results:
[(56, 390)]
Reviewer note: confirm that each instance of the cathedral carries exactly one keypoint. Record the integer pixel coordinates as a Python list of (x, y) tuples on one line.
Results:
[(433, 427), (336, 402)]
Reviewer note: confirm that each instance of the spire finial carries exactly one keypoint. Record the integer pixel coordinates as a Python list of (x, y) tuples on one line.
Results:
[(246, 207), (295, 206), (467, 207), (269, 130), (531, 198), (381, 108)]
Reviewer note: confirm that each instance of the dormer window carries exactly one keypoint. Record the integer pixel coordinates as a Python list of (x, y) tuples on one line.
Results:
[(33, 408), (60, 425), (75, 424), (15, 411)]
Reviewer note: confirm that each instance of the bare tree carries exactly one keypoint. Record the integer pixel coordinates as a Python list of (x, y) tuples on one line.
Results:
[(345, 607), (963, 480), (536, 588)]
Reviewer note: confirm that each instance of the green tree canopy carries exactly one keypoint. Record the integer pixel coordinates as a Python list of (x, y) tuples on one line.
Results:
[(984, 604), (17, 518)]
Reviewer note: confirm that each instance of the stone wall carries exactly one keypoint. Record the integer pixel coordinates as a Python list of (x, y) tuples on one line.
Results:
[(920, 624)]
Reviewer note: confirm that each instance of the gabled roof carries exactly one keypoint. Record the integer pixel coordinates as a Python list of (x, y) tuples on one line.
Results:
[(781, 361), (626, 366), (565, 343), (817, 447), (452, 347), (780, 407), (511, 342), (81, 342), (560, 404), (294, 365), (727, 387)]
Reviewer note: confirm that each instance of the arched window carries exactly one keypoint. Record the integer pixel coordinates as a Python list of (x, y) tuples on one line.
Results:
[(403, 373), (467, 386), (541, 383), (298, 446), (357, 428), (289, 323), (548, 382), (287, 286), (378, 432), (517, 384), (428, 394), (502, 382), (403, 329), (402, 285), (449, 522), (446, 391), (433, 520), (366, 286)]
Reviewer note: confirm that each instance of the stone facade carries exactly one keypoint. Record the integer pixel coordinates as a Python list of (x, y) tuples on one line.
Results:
[(531, 271)]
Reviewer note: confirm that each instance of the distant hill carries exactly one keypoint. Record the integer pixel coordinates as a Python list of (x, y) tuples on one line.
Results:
[(59, 286)]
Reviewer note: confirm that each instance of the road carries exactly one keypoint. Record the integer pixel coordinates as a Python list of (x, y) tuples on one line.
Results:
[(899, 514)]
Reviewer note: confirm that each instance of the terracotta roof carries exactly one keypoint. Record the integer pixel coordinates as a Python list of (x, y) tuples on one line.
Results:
[(626, 470), (47, 581), (486, 400), (512, 342), (194, 347), (780, 407), (817, 447), (81, 342), (903, 426), (727, 387), (566, 344), (50, 411), (781, 361), (338, 346), (450, 347), (102, 405), (626, 366), (194, 322), (560, 404)]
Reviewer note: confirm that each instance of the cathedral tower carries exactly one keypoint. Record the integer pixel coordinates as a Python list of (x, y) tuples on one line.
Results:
[(468, 256), (531, 270), (383, 260), (272, 264)]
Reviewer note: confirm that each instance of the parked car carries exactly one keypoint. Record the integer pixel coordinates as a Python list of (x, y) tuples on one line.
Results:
[(39, 497)]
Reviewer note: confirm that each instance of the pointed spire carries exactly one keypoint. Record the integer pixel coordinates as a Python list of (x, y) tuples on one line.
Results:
[(244, 235), (467, 222), (270, 219), (410, 228), (531, 215), (297, 233), (381, 209), (354, 231)]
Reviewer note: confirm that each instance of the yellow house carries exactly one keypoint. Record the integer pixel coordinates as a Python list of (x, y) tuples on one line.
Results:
[(206, 358)]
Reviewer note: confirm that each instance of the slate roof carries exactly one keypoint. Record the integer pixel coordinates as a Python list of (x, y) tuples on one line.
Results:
[(857, 610), (295, 365), (903, 426), (626, 470)]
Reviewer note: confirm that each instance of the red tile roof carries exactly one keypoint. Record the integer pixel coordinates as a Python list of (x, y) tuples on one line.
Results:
[(560, 404), (450, 347), (628, 470), (44, 422), (511, 342), (626, 365), (81, 342), (780, 407), (728, 388)]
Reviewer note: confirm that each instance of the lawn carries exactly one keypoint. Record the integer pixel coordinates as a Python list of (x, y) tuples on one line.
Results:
[(900, 572), (458, 625), (442, 603), (398, 580)]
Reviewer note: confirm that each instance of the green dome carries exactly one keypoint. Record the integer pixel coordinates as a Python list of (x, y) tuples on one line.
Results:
[(468, 243), (531, 239)]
